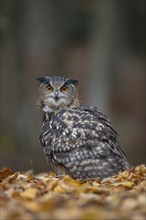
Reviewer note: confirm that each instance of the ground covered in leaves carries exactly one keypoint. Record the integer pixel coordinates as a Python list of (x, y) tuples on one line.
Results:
[(26, 196)]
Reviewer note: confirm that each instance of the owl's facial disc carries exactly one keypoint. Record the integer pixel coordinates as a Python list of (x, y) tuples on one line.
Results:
[(57, 93), (59, 97)]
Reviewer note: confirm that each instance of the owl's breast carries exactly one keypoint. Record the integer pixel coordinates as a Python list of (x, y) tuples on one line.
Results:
[(70, 129)]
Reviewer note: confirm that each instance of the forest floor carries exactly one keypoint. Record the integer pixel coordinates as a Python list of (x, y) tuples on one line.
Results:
[(25, 196)]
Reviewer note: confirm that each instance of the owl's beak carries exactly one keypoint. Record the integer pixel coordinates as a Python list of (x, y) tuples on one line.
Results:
[(56, 96)]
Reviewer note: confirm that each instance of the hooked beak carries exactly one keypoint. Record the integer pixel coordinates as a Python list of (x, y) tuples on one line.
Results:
[(56, 96)]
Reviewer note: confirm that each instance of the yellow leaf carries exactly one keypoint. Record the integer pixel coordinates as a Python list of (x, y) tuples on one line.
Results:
[(72, 182), (32, 205), (52, 174), (63, 188), (126, 184), (29, 193)]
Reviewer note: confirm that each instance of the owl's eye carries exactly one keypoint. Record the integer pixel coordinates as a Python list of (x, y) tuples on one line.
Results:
[(64, 89), (49, 88)]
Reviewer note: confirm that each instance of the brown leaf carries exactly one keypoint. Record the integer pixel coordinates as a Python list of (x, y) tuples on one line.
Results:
[(25, 196), (13, 177), (5, 173)]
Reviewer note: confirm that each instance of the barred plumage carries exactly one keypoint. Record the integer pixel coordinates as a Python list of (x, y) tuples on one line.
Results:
[(77, 139)]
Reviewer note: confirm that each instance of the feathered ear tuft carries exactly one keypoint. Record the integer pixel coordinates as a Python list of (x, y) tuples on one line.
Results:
[(43, 79), (72, 81)]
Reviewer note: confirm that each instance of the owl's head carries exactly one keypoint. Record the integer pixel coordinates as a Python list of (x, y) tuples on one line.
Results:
[(57, 93)]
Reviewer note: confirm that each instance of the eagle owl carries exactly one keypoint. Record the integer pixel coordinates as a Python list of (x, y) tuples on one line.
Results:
[(77, 139)]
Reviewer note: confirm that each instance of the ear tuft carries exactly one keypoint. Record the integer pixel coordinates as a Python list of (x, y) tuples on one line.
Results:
[(72, 81), (43, 79)]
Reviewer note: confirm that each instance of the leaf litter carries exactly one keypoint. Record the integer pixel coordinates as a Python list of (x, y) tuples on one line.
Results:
[(25, 196)]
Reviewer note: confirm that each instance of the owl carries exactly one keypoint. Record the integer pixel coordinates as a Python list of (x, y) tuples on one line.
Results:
[(77, 138)]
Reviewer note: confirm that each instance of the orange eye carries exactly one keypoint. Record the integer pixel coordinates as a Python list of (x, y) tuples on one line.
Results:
[(64, 89), (49, 88)]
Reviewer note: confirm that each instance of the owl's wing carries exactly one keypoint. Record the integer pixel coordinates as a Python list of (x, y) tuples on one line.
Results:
[(111, 133), (84, 142)]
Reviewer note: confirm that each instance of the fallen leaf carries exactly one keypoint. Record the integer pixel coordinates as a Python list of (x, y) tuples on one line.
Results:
[(5, 173), (29, 193), (47, 197), (12, 177), (126, 184)]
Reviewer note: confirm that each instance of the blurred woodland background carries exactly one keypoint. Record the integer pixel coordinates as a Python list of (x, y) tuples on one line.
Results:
[(100, 43)]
